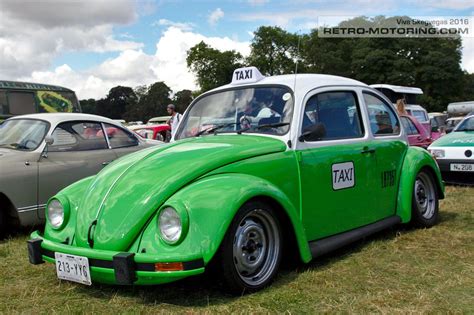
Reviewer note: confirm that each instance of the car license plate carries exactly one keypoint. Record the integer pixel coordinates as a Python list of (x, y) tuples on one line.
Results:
[(461, 167), (73, 268)]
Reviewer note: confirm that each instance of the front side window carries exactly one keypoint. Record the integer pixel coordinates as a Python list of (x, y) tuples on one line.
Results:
[(336, 114), (21, 103), (119, 138), (22, 134), (264, 109), (409, 126), (383, 121), (78, 136)]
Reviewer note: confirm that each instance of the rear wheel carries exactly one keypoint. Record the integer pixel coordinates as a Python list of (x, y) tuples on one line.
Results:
[(251, 251), (425, 200), (3, 223)]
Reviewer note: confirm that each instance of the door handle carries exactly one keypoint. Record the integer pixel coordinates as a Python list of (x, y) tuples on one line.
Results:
[(366, 150)]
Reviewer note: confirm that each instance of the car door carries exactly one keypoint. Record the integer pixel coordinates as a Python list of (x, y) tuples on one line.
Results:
[(121, 141), (79, 150), (390, 148), (337, 169)]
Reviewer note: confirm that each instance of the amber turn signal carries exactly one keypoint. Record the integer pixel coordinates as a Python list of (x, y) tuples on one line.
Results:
[(169, 266)]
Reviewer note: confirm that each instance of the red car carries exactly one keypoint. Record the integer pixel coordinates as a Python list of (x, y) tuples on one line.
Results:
[(161, 132), (417, 134)]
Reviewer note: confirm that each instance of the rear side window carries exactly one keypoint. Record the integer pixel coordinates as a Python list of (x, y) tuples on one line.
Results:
[(119, 138), (409, 126), (78, 136), (21, 103), (337, 113), (382, 117)]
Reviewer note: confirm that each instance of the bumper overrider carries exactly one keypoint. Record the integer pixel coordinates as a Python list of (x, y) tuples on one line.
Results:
[(111, 267)]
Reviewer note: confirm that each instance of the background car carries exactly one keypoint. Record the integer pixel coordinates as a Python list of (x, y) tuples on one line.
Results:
[(417, 134), (158, 120), (455, 153), (42, 153), (160, 132), (291, 174)]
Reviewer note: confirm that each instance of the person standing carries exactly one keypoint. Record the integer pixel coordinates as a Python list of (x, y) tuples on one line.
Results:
[(176, 117)]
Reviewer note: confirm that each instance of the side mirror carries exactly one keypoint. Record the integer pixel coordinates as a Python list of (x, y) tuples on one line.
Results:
[(49, 141), (313, 133)]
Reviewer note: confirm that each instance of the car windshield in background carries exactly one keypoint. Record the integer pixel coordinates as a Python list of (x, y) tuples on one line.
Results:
[(419, 115), (22, 134), (466, 125), (266, 110)]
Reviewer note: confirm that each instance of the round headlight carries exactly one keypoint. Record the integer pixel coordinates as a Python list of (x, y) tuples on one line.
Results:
[(55, 213), (169, 223)]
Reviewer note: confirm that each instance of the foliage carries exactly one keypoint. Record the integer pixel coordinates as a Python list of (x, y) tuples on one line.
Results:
[(212, 67), (88, 106), (116, 103)]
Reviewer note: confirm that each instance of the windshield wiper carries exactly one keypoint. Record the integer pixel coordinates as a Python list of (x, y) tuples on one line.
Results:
[(274, 125), (212, 129)]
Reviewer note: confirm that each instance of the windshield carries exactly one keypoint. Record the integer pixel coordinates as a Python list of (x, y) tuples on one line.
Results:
[(253, 109), (466, 125), (22, 134)]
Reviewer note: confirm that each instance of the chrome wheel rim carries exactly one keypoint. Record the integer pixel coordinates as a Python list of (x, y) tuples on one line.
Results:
[(424, 193), (256, 247)]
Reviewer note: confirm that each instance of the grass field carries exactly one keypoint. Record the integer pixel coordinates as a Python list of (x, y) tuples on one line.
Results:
[(397, 271)]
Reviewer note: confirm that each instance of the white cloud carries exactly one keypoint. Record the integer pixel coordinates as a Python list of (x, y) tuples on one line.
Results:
[(468, 54), (30, 37), (71, 13), (133, 67), (446, 4), (165, 22), (215, 16)]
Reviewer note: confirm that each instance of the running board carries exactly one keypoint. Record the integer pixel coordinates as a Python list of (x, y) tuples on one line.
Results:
[(328, 244)]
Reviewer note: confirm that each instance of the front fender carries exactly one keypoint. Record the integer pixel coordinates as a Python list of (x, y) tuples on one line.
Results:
[(415, 159), (212, 203)]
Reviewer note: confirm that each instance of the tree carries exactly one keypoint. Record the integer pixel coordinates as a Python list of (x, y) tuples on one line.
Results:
[(182, 99), (273, 51), (212, 67), (88, 106), (117, 101), (152, 103)]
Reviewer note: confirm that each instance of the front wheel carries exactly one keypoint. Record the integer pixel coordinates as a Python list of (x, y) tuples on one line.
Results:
[(251, 251), (425, 201)]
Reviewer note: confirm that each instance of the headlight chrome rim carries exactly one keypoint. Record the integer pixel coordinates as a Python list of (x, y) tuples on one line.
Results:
[(172, 224), (58, 213)]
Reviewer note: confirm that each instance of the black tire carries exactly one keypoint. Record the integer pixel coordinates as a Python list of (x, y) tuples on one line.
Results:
[(425, 203), (250, 254)]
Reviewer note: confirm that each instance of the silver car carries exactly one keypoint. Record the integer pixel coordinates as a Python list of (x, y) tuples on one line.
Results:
[(42, 153)]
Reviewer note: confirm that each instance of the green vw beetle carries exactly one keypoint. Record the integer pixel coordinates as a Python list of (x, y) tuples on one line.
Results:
[(262, 169)]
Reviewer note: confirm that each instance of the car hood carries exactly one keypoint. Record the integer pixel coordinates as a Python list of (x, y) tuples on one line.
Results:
[(456, 139), (123, 196)]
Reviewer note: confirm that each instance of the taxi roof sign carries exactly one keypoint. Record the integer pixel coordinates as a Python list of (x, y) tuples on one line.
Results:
[(246, 75)]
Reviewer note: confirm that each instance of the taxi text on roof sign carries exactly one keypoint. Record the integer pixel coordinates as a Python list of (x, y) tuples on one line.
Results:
[(246, 75)]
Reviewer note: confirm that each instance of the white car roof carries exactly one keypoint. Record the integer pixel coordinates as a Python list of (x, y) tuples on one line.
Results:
[(303, 82), (55, 118), (398, 88)]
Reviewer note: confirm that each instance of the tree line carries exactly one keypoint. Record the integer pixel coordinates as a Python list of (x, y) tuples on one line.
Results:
[(432, 64)]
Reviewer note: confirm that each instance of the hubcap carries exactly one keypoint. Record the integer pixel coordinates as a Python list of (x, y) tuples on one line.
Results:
[(425, 195), (256, 247)]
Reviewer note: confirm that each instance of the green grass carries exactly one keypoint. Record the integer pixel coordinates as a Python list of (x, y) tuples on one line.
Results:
[(401, 270)]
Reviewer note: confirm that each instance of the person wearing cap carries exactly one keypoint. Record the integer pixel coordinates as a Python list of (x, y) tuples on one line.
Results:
[(175, 118)]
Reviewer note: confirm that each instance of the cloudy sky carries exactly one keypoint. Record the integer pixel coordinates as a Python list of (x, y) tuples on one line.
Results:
[(93, 45)]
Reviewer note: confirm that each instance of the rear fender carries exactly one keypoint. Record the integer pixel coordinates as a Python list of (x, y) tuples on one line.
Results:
[(415, 160)]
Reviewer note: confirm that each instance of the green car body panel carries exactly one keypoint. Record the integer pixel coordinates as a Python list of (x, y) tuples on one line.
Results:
[(208, 179)]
